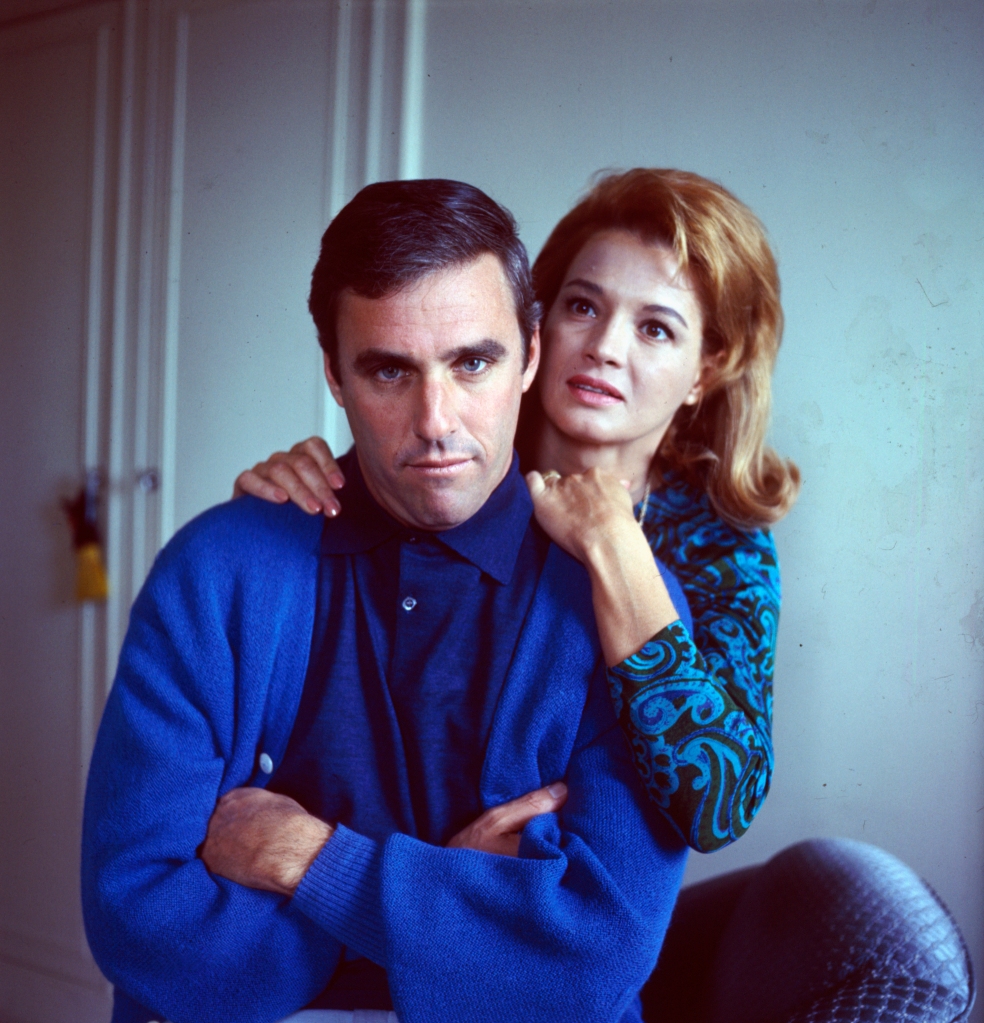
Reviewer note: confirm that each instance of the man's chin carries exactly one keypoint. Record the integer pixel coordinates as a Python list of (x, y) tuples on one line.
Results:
[(438, 503), (442, 510)]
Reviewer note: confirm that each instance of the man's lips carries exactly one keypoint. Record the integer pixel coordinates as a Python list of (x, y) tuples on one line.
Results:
[(439, 466), (591, 391)]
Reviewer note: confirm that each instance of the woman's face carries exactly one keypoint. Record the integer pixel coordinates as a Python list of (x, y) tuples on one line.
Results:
[(622, 344)]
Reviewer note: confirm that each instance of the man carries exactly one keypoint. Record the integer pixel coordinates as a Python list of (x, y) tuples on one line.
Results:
[(389, 676)]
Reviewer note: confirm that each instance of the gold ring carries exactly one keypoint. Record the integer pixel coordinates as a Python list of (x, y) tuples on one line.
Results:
[(551, 474)]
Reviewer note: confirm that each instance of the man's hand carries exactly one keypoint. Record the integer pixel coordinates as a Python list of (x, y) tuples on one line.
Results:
[(263, 840), (498, 830)]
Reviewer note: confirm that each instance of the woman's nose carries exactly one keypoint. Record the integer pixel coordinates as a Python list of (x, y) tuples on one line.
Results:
[(609, 342)]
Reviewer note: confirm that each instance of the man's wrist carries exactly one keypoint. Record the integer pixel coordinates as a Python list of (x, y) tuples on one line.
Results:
[(310, 838)]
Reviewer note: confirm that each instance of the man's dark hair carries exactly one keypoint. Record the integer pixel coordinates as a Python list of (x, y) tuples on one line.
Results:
[(393, 233)]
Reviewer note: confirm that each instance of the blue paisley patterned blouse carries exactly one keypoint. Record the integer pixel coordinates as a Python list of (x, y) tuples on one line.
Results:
[(698, 709)]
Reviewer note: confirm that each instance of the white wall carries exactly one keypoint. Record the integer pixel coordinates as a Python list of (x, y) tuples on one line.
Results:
[(253, 181), (854, 129)]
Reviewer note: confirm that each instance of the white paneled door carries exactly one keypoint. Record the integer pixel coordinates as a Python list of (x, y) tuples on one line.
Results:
[(57, 170), (166, 170)]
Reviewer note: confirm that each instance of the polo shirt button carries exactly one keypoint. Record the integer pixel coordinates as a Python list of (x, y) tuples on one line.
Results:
[(409, 603), (266, 764)]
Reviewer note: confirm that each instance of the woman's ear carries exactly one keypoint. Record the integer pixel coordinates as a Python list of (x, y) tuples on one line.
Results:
[(697, 391), (710, 366)]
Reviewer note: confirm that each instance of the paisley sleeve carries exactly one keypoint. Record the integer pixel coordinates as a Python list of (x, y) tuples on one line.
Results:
[(697, 710)]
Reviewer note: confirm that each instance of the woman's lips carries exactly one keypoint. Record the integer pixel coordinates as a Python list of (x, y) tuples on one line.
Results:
[(590, 391)]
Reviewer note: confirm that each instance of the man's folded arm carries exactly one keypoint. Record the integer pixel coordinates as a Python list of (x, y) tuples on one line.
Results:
[(177, 939), (569, 929)]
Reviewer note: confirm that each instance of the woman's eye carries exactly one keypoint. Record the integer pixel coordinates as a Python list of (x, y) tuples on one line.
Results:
[(656, 331), (581, 307), (474, 365)]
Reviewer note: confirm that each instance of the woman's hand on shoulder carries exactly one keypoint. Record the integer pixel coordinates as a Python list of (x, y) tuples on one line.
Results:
[(308, 475), (590, 516), (582, 511)]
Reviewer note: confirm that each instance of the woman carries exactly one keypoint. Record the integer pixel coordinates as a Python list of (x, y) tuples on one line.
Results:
[(662, 327)]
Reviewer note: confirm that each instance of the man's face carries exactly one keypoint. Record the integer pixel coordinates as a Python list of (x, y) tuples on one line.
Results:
[(431, 379)]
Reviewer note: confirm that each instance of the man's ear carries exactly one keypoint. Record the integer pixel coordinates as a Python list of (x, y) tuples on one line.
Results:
[(333, 385), (532, 361)]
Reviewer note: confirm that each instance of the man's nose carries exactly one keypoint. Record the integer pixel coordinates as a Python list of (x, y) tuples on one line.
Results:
[(609, 342), (436, 415)]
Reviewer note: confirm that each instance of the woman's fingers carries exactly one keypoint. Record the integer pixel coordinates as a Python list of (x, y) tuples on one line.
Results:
[(278, 480), (535, 484), (251, 482), (580, 511), (308, 475), (317, 449), (306, 482), (498, 830)]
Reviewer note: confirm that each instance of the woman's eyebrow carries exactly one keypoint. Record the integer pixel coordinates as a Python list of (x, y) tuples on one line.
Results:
[(666, 311), (580, 282)]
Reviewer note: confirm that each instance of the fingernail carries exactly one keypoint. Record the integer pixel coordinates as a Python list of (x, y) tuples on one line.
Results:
[(557, 790), (312, 506), (336, 480), (332, 510)]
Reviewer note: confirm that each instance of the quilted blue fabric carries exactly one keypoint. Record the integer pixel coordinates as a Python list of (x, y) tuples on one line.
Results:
[(827, 931)]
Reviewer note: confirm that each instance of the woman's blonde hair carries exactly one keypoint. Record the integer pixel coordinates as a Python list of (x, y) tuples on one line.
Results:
[(719, 444)]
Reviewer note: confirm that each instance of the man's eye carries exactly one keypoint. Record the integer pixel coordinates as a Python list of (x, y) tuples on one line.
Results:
[(474, 365), (389, 373)]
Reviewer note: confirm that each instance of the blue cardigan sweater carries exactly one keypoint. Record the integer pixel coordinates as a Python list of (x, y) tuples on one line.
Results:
[(209, 682)]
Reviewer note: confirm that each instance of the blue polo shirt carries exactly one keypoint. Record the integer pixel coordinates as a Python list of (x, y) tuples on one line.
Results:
[(414, 633)]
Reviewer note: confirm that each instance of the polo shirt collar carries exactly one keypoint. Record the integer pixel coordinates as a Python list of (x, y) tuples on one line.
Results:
[(490, 539)]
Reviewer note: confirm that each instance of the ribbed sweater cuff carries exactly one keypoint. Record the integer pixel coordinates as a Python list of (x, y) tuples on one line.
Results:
[(341, 893)]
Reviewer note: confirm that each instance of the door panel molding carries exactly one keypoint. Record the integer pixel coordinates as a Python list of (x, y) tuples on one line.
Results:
[(172, 277), (91, 671)]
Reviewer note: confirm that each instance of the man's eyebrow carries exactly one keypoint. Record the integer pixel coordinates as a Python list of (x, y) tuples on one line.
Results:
[(487, 349), (596, 289), (375, 358)]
